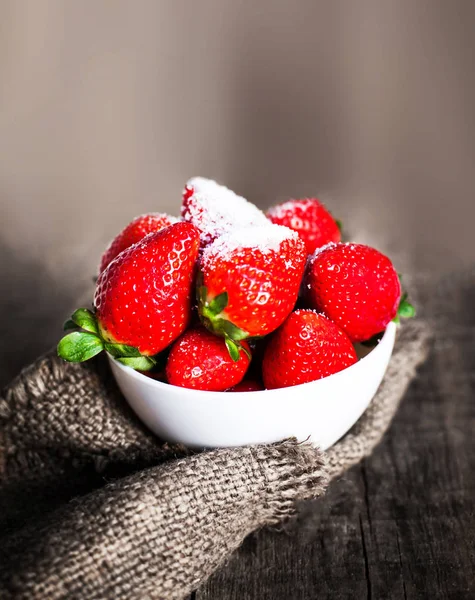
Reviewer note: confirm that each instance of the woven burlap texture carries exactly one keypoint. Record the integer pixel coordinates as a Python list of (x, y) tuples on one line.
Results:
[(93, 506)]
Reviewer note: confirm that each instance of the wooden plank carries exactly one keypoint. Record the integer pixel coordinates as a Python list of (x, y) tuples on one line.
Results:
[(402, 524), (423, 482), (323, 547)]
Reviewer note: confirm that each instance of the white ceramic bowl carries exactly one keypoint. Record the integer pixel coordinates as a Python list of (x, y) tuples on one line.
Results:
[(324, 410)]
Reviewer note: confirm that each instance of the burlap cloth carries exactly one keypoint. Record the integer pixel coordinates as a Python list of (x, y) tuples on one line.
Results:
[(93, 506)]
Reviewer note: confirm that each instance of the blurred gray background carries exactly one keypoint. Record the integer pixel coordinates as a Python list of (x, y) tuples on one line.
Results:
[(107, 107)]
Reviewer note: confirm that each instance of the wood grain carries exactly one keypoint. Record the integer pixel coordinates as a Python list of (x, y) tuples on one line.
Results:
[(402, 524), (97, 125)]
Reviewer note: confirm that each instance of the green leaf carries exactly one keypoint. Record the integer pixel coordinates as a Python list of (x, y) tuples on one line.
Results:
[(230, 330), (406, 310), (85, 319), (139, 363), (339, 224), (233, 349), (79, 346), (218, 303), (69, 324)]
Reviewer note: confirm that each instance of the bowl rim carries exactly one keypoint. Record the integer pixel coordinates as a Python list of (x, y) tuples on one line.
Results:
[(161, 385)]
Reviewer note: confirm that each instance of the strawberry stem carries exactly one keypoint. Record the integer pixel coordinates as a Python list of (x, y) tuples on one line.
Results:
[(211, 315), (235, 348)]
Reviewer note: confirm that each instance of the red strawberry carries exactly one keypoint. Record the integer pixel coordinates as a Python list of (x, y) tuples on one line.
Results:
[(307, 347), (133, 233), (143, 300), (201, 361), (247, 385), (310, 219), (249, 281), (215, 209), (354, 285)]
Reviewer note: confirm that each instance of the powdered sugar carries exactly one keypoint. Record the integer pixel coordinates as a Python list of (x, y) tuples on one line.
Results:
[(265, 238), (281, 210), (215, 209), (151, 216), (322, 249)]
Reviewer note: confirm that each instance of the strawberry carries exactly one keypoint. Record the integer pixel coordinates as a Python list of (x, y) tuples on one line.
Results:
[(356, 286), (142, 300), (133, 233), (201, 361), (307, 347), (215, 209), (310, 219), (247, 385), (249, 281)]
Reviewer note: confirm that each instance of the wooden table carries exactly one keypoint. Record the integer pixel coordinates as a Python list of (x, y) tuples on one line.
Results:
[(103, 118), (400, 525)]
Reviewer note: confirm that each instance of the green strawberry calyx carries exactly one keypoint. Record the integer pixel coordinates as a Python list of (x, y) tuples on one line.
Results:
[(86, 341), (405, 310), (212, 316)]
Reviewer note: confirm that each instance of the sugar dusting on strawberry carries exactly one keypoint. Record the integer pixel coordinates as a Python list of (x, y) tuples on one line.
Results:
[(249, 281), (265, 239), (215, 209)]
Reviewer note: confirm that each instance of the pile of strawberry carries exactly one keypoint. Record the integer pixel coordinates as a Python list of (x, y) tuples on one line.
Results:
[(228, 298)]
